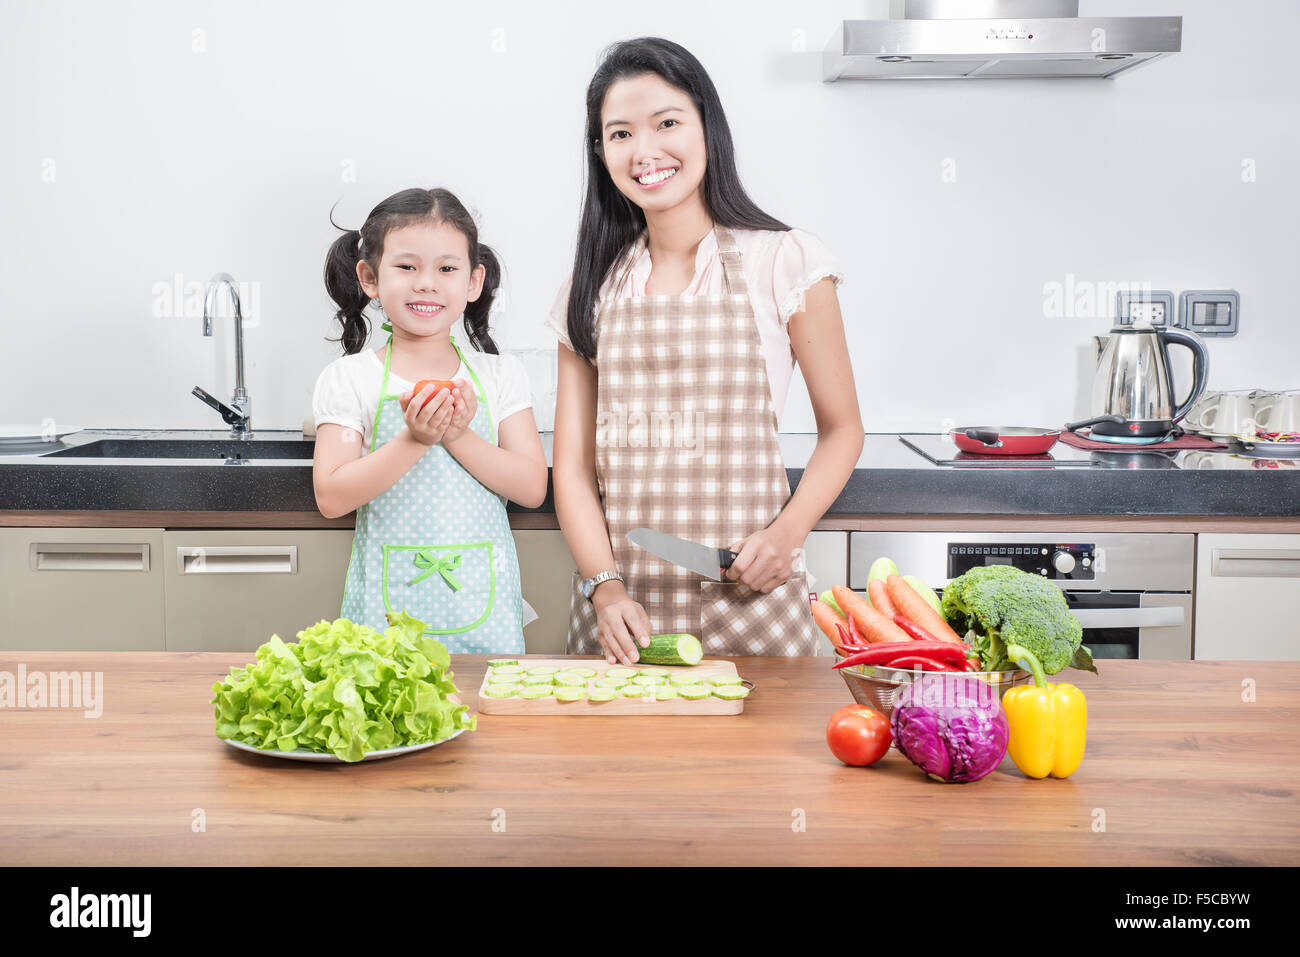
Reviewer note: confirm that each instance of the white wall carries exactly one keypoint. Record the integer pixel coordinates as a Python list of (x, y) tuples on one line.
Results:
[(130, 158)]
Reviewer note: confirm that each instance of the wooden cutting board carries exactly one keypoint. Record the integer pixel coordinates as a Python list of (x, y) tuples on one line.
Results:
[(620, 705)]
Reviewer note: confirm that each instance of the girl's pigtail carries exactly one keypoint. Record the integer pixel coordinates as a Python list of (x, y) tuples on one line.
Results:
[(477, 312), (345, 289)]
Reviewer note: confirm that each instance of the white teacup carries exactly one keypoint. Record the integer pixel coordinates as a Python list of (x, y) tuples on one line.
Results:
[(1279, 412), (1193, 418), (1232, 413)]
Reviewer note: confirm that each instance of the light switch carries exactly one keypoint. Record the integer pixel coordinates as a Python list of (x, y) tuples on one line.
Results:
[(1210, 312)]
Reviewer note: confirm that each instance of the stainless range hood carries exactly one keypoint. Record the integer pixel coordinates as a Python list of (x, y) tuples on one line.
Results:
[(995, 39)]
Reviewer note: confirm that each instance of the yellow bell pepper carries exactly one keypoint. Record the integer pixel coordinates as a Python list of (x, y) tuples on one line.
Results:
[(1048, 722)]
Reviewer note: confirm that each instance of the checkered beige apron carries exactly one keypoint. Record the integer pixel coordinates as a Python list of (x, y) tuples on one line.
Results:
[(686, 443)]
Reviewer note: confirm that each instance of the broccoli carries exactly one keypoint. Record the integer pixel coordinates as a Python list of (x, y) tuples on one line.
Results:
[(1003, 606)]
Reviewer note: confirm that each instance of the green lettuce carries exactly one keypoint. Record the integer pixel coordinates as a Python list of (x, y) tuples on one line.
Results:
[(345, 689)]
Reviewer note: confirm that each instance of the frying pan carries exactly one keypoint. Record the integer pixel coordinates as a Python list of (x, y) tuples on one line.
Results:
[(1005, 440)]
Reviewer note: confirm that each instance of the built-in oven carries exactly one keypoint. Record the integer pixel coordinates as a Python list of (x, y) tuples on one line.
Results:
[(1132, 592)]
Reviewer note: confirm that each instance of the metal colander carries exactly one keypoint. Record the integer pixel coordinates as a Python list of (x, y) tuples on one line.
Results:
[(877, 686)]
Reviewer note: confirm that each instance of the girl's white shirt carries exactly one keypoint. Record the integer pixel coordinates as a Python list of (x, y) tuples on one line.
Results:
[(347, 390), (779, 265)]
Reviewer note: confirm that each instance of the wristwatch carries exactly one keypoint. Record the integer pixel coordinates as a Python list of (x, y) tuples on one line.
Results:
[(589, 584)]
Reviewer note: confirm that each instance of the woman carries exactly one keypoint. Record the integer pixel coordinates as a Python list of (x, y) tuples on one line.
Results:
[(679, 327)]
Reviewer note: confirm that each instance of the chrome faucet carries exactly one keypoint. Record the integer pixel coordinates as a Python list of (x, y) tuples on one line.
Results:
[(239, 414)]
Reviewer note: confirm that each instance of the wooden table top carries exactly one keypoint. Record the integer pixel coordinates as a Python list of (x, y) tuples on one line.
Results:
[(1179, 770)]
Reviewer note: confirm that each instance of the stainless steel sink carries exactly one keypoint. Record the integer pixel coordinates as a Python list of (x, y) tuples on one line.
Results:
[(229, 449)]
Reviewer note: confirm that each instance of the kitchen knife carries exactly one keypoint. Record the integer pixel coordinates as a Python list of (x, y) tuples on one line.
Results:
[(700, 559)]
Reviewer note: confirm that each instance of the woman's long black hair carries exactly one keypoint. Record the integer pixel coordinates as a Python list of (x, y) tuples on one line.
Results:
[(402, 209), (610, 221)]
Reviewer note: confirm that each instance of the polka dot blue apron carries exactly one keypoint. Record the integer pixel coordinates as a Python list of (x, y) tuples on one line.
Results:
[(437, 545)]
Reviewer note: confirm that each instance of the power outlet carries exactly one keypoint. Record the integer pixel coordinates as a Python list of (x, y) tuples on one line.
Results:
[(1145, 309)]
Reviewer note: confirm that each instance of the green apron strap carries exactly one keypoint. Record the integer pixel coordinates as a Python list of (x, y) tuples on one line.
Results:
[(478, 387), (383, 391)]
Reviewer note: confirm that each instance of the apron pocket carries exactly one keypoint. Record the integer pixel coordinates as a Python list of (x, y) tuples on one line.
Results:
[(451, 588), (736, 620)]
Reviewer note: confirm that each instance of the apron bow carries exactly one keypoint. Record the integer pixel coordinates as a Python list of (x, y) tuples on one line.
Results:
[(431, 561)]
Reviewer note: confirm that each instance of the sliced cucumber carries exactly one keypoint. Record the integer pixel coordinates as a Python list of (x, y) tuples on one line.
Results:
[(676, 649), (570, 680), (501, 691), (543, 670), (613, 683), (602, 694), (647, 680), (633, 691), (539, 680), (730, 692), (678, 681), (619, 672), (665, 693), (717, 680), (507, 670), (538, 691), (584, 671), (498, 662), (569, 694), (693, 692), (663, 672)]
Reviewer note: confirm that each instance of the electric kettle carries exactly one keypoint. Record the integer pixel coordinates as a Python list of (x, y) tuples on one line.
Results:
[(1133, 392)]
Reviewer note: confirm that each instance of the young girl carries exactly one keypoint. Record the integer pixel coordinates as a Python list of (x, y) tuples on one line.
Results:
[(427, 473), (680, 324)]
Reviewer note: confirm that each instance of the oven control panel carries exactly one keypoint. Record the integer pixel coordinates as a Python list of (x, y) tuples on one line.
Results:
[(1070, 561)]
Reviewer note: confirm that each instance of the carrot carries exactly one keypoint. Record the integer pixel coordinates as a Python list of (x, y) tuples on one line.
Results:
[(872, 624), (912, 606), (880, 598), (826, 620)]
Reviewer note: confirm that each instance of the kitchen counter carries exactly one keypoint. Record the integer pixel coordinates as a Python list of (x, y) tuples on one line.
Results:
[(1179, 770), (890, 479)]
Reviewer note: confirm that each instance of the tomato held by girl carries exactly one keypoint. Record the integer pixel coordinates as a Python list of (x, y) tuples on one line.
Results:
[(427, 470), (686, 310)]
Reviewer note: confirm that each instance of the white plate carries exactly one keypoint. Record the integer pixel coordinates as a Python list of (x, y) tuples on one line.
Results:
[(324, 757), (31, 434), (1271, 449)]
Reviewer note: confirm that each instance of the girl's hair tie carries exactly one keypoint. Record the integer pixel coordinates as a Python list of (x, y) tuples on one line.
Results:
[(361, 240)]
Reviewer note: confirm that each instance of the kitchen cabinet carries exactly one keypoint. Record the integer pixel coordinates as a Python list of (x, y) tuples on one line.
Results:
[(826, 556), (81, 589), (1247, 593), (232, 590), (546, 575)]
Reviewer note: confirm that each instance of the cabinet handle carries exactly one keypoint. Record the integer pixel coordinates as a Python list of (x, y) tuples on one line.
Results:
[(88, 556), (1153, 617), (237, 559), (1255, 563)]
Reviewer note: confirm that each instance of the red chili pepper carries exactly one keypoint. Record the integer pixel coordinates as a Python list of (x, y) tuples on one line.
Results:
[(913, 629), (849, 642), (883, 651), (920, 661)]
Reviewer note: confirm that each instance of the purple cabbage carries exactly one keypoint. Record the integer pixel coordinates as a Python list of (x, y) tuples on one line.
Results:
[(951, 726)]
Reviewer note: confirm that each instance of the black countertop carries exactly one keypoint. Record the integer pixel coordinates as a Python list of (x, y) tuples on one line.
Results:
[(890, 479)]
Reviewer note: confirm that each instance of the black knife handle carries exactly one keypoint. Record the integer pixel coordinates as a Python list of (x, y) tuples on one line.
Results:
[(726, 557)]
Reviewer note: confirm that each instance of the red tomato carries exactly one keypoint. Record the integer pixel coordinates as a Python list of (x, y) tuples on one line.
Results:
[(858, 735), (438, 385)]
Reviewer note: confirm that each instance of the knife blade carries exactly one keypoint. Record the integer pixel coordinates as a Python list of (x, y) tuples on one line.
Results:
[(701, 559)]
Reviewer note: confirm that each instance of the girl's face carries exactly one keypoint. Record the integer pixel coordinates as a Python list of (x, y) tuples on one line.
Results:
[(425, 277), (652, 140)]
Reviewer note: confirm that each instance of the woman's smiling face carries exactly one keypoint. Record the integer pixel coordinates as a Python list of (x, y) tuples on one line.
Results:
[(425, 277), (652, 141)]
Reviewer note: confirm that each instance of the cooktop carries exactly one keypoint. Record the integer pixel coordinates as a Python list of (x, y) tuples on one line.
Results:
[(939, 449)]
